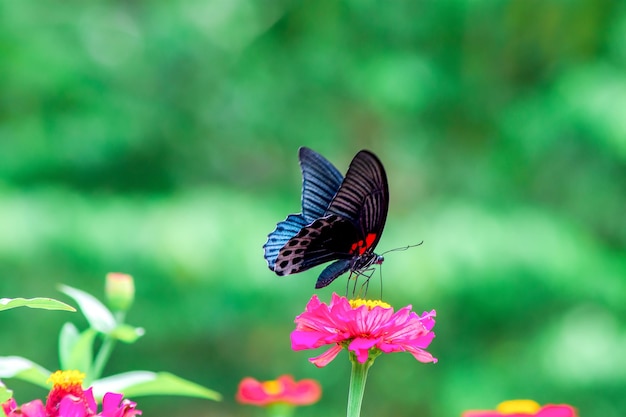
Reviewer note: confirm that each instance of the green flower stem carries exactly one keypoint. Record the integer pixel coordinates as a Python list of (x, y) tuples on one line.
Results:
[(280, 410), (103, 355), (357, 382)]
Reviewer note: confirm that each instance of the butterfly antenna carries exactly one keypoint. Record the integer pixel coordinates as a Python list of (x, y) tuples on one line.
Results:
[(402, 248)]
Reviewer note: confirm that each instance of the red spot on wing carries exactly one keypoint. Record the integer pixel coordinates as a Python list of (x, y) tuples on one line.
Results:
[(361, 247), (356, 245), (369, 240)]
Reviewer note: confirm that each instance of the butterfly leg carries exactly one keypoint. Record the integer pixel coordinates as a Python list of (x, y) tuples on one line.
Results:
[(348, 283), (367, 274), (354, 275)]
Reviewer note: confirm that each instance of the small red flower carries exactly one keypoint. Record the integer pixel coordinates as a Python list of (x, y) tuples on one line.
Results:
[(362, 326), (282, 390), (525, 408)]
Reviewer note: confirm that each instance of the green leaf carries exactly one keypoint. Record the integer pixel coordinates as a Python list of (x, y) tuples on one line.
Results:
[(22, 368), (141, 383), (77, 349), (39, 302), (5, 394), (127, 333), (98, 316), (67, 339)]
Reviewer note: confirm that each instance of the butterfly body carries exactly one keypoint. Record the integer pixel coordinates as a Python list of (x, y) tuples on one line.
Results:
[(342, 219)]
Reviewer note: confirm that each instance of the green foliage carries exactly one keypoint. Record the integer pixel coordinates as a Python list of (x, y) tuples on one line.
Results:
[(75, 349), (42, 303), (5, 394), (160, 139), (142, 383), (76, 352), (99, 317), (24, 369)]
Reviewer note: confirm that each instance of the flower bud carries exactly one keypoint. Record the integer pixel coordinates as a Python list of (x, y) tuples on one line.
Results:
[(119, 291)]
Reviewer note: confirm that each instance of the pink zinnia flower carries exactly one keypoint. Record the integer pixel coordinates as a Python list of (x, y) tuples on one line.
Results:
[(31, 409), (282, 390), (525, 408), (363, 326), (68, 399)]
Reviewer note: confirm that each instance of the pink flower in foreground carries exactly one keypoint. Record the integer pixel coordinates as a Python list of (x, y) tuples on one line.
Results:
[(362, 326), (31, 409), (525, 408), (282, 390), (68, 399)]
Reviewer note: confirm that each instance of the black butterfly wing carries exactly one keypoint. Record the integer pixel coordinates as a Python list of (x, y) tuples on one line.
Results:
[(320, 182), (326, 239), (363, 199), (332, 272), (284, 231)]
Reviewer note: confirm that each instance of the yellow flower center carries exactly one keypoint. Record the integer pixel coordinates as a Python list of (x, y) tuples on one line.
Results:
[(66, 379), (369, 303), (518, 407), (272, 387)]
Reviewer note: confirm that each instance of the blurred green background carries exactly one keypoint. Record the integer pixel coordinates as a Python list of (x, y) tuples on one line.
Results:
[(159, 138)]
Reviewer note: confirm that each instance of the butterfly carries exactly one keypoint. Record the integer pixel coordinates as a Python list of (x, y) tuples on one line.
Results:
[(342, 219)]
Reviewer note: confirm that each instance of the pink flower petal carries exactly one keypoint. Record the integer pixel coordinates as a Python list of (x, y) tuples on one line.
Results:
[(33, 409), (561, 410), (326, 357), (71, 406), (111, 401), (301, 339), (91, 401), (361, 347), (422, 355), (304, 392), (30, 409), (361, 355), (251, 392), (9, 405)]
